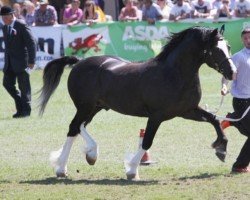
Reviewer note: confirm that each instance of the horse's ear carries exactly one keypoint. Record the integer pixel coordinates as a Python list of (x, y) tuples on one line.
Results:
[(212, 38), (214, 33), (222, 29)]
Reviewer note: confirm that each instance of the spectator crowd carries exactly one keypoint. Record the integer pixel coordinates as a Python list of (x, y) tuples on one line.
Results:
[(72, 12)]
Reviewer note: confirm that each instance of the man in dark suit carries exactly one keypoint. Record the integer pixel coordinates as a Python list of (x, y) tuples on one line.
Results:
[(20, 54)]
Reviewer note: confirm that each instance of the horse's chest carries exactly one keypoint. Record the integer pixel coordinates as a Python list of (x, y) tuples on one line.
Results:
[(190, 98)]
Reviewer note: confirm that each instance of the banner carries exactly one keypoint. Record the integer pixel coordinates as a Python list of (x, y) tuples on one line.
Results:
[(48, 44), (134, 41), (138, 41)]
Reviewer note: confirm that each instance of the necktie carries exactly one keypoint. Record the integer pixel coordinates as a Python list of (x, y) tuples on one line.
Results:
[(9, 30)]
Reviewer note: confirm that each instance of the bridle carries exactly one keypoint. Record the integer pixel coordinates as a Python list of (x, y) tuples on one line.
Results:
[(208, 54)]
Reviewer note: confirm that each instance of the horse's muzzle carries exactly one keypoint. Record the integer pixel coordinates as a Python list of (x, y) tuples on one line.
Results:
[(234, 76)]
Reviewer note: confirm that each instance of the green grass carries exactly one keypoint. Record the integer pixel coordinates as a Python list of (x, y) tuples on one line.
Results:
[(186, 165)]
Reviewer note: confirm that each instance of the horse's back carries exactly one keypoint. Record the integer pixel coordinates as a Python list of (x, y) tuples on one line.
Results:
[(109, 80), (86, 75)]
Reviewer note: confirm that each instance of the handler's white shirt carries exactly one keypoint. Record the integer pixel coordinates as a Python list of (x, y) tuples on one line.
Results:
[(240, 87)]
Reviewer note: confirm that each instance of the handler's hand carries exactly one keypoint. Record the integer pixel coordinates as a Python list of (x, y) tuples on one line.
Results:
[(31, 66), (224, 90)]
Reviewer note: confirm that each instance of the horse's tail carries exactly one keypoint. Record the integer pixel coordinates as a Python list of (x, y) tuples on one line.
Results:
[(51, 77)]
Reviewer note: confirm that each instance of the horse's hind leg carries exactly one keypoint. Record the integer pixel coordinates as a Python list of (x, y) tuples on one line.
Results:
[(59, 158), (84, 115), (91, 148)]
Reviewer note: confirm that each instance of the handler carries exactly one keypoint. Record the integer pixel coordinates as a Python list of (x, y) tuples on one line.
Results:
[(20, 54), (240, 90)]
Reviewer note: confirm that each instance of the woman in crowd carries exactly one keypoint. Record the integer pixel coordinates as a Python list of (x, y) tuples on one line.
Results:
[(91, 14), (30, 13), (129, 12), (18, 11)]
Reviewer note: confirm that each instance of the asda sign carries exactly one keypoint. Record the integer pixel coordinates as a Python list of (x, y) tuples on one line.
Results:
[(143, 33)]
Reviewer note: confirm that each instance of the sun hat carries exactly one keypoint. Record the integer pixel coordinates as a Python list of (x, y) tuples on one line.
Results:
[(43, 2), (245, 30)]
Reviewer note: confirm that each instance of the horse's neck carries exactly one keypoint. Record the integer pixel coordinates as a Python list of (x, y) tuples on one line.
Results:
[(186, 62)]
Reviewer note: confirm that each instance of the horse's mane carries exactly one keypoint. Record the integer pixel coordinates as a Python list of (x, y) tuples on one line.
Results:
[(200, 34)]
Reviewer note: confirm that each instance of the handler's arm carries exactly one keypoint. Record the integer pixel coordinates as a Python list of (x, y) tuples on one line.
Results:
[(30, 43), (224, 88)]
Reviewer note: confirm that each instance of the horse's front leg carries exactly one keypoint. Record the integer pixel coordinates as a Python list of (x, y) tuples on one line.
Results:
[(132, 164), (220, 143)]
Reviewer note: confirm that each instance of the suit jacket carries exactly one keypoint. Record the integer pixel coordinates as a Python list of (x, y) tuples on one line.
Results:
[(20, 47)]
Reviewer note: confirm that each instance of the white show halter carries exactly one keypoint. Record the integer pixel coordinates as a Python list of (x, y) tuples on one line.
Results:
[(217, 109), (221, 118), (233, 120)]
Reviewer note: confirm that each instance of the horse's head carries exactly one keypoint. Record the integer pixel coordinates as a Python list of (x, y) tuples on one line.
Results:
[(217, 55)]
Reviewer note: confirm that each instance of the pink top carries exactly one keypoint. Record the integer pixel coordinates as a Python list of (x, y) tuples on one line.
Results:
[(68, 12)]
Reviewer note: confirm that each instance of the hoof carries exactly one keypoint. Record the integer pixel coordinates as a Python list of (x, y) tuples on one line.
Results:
[(221, 155), (91, 161), (61, 174), (220, 149), (220, 152), (133, 177)]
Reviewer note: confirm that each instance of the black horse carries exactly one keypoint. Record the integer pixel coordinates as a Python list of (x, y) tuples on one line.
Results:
[(160, 89)]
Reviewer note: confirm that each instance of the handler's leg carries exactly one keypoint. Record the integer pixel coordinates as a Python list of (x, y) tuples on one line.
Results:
[(243, 160), (9, 82), (240, 106), (25, 89)]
